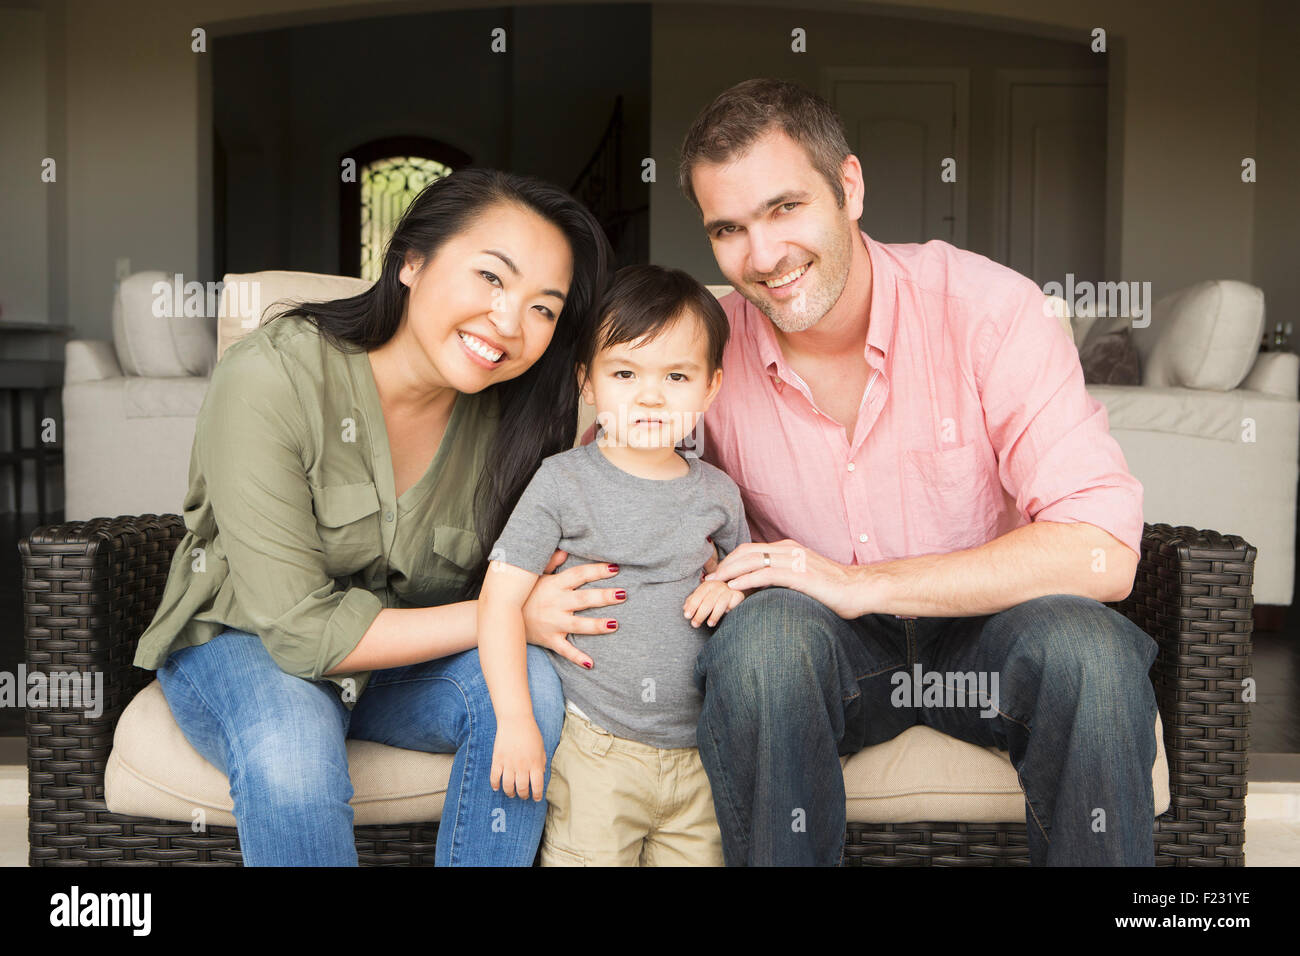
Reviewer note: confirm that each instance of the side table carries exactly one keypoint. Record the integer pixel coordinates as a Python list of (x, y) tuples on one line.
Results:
[(35, 377)]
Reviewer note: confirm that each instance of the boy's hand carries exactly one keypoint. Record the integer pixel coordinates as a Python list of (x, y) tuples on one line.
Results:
[(519, 759), (710, 601)]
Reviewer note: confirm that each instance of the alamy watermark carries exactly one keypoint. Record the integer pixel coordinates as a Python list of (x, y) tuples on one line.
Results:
[(1103, 299), (55, 690), (617, 426), (205, 300), (951, 689)]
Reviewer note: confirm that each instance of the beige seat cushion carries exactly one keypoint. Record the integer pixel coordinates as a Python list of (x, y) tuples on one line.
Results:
[(925, 775), (920, 775), (154, 772)]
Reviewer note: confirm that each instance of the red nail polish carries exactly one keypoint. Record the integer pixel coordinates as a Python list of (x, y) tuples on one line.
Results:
[(708, 538), (620, 594), (611, 625), (587, 664), (613, 569)]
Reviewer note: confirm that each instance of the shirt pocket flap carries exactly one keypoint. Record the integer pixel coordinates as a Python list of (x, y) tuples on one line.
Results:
[(952, 496), (338, 505), (457, 545), (950, 469)]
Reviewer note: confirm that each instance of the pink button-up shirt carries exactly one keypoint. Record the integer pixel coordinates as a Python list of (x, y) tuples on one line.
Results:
[(974, 421)]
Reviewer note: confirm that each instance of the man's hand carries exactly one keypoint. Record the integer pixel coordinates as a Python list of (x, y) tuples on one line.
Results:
[(842, 588), (548, 612)]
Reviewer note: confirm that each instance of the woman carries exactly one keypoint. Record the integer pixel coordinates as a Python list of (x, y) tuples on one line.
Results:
[(353, 460)]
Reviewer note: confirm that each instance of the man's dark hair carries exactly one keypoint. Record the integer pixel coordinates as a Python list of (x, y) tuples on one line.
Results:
[(737, 117)]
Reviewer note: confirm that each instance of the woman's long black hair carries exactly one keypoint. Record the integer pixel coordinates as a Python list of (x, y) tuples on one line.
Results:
[(539, 408)]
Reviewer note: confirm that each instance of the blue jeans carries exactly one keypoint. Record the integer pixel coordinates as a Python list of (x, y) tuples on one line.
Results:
[(789, 686), (279, 739)]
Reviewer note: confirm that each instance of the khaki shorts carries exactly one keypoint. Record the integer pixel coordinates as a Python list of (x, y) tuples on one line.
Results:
[(617, 802)]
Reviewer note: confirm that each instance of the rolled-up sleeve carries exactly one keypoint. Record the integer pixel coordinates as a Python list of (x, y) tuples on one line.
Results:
[(250, 442), (1053, 442)]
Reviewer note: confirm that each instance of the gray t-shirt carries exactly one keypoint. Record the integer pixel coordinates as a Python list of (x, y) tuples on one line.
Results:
[(642, 683)]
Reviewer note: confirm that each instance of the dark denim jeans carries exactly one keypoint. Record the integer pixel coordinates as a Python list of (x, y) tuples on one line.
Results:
[(789, 686)]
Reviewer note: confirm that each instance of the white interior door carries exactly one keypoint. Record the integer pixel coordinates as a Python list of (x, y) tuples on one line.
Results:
[(903, 124), (1051, 210)]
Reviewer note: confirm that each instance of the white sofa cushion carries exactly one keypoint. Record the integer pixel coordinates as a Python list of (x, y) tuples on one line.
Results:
[(163, 397), (1059, 309), (1176, 411), (920, 775), (1275, 373), (1205, 336), (247, 298), (153, 335)]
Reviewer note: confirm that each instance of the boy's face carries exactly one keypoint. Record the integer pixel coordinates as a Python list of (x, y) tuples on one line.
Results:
[(650, 394), (769, 214)]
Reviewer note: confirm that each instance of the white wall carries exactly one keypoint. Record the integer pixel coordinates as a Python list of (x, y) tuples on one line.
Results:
[(133, 165), (1187, 78), (24, 196), (755, 45), (1277, 192)]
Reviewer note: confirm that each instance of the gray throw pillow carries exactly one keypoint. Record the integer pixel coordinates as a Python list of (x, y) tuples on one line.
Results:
[(1111, 359)]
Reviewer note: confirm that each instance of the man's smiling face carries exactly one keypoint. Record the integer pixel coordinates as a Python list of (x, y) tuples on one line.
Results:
[(776, 232)]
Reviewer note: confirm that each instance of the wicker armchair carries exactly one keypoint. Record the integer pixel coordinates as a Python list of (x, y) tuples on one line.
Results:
[(91, 587)]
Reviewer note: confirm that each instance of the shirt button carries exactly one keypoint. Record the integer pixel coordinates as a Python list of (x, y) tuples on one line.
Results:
[(852, 466), (862, 538), (388, 516)]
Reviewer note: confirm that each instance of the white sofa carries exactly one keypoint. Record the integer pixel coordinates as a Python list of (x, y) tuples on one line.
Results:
[(130, 407), (1213, 431)]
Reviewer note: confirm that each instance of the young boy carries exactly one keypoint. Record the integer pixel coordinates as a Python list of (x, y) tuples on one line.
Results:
[(627, 786)]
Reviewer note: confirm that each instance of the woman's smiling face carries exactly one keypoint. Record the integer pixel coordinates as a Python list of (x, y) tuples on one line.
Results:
[(483, 309)]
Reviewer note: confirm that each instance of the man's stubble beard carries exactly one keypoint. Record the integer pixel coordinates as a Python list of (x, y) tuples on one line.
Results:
[(832, 267)]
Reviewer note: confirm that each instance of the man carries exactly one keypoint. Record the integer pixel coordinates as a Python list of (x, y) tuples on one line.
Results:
[(914, 443)]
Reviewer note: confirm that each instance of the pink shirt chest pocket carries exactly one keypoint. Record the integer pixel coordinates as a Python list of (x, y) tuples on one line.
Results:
[(952, 497)]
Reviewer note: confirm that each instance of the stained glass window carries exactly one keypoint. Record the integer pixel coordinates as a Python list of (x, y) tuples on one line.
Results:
[(387, 188)]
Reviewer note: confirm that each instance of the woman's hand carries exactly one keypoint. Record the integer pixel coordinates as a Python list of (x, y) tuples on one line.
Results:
[(549, 616), (519, 759)]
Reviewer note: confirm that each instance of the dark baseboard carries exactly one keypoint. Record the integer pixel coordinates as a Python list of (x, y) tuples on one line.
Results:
[(1271, 617), (13, 750), (1273, 768)]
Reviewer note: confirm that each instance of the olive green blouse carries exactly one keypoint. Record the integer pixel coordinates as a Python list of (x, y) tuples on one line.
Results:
[(294, 530)]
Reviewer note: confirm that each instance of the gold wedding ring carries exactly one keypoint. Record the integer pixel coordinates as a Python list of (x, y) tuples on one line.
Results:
[(767, 560)]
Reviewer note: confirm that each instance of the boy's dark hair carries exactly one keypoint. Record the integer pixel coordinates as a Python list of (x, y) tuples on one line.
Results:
[(740, 115), (644, 300)]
